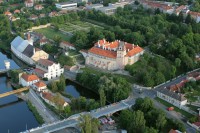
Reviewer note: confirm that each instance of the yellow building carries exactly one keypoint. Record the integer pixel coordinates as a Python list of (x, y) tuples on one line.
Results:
[(112, 55)]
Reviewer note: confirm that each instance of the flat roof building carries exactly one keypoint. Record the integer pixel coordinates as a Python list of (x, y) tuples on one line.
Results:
[(66, 5)]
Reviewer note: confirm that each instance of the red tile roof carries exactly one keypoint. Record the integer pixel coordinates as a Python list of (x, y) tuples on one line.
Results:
[(40, 84), (39, 71), (134, 51), (194, 13), (178, 9), (102, 52), (172, 131), (197, 124), (45, 62), (17, 11), (7, 13), (47, 96), (29, 78)]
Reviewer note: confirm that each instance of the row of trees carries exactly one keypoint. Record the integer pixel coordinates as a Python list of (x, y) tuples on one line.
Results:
[(111, 88), (145, 118)]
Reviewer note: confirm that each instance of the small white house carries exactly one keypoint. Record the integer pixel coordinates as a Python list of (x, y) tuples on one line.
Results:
[(40, 86), (28, 80), (66, 45)]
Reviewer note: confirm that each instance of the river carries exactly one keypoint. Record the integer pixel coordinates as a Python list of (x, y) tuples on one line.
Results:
[(14, 113)]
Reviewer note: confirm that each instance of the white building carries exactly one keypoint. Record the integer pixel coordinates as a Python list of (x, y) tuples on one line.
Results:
[(174, 98), (66, 45), (48, 69), (40, 86), (25, 50), (66, 5), (28, 80)]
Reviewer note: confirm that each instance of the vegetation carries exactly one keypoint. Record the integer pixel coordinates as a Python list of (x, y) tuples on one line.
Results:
[(191, 90), (89, 124), (145, 118), (114, 87), (58, 86), (51, 49), (35, 113), (66, 60), (196, 6), (155, 70), (15, 75)]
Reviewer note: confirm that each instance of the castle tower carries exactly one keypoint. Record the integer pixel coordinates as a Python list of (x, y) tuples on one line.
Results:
[(121, 52)]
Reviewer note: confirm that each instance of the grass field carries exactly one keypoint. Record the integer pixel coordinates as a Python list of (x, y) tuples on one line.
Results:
[(186, 114), (78, 26), (51, 33)]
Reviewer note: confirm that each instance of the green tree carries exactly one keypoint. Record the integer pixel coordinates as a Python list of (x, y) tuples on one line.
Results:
[(54, 87), (102, 97), (61, 83)]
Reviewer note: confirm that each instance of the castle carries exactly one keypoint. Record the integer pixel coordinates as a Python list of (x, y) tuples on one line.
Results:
[(112, 55)]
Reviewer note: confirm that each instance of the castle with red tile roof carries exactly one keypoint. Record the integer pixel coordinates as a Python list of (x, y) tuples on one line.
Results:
[(112, 55)]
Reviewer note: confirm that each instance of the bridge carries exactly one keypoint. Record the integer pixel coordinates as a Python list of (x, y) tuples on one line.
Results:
[(74, 119), (13, 92)]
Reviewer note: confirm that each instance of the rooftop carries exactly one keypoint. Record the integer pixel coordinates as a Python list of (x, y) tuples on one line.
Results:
[(29, 78), (40, 84), (45, 62)]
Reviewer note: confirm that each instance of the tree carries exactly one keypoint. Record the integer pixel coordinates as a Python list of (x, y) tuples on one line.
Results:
[(102, 97), (143, 104), (88, 124), (150, 130), (80, 40), (137, 122), (61, 83), (54, 87), (57, 39), (124, 118), (177, 62), (67, 110)]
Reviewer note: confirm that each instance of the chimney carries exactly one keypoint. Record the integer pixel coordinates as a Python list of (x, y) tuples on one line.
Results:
[(133, 45), (98, 44), (28, 36)]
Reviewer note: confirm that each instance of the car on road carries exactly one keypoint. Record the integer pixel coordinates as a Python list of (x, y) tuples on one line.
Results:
[(170, 108)]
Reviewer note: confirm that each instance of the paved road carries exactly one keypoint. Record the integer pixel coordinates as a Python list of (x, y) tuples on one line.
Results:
[(74, 120), (47, 115)]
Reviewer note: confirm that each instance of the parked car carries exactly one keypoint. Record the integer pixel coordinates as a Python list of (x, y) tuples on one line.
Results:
[(170, 108)]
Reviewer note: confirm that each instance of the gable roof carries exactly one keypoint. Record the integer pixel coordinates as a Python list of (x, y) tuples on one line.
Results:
[(40, 84), (19, 43), (45, 62), (102, 52), (29, 78), (134, 51)]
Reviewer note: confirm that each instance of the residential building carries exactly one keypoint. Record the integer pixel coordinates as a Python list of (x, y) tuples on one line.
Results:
[(28, 80), (66, 5), (7, 13), (40, 86), (25, 50), (172, 97), (112, 55), (109, 10), (48, 69), (33, 17), (66, 45), (49, 98), (53, 14), (42, 15), (195, 16), (17, 11), (179, 9), (29, 3), (38, 7), (174, 131)]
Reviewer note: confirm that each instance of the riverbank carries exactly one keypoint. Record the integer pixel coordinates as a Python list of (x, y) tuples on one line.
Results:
[(35, 113)]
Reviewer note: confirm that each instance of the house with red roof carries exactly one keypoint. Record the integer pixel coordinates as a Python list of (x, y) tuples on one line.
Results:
[(7, 13), (40, 86), (174, 131), (38, 7), (195, 16), (28, 79), (112, 55), (17, 11), (29, 3)]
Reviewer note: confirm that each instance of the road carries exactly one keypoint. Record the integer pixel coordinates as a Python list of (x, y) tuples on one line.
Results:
[(47, 115), (169, 114)]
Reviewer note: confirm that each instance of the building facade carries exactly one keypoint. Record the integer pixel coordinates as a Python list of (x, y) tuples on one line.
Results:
[(174, 98), (28, 80), (66, 5), (48, 69), (112, 55), (25, 51), (40, 86)]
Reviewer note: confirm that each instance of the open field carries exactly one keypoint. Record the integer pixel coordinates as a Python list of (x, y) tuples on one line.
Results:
[(51, 33), (186, 114), (78, 26)]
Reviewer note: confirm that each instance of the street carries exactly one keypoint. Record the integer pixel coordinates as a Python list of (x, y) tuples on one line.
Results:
[(47, 115)]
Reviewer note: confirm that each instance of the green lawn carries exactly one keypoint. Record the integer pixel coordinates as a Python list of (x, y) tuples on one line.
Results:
[(186, 114), (72, 52), (51, 33)]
